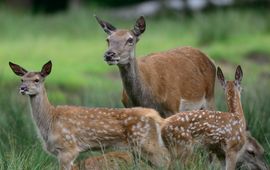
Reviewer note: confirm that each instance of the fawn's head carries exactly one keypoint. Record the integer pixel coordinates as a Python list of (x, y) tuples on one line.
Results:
[(252, 155), (121, 42), (32, 82), (232, 88)]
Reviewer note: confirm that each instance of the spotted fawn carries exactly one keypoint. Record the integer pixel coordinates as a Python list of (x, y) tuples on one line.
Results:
[(68, 130), (221, 133)]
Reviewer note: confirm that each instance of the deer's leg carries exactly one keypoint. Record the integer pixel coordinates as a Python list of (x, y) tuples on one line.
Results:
[(156, 154), (153, 148), (136, 154), (210, 104), (66, 160), (231, 160)]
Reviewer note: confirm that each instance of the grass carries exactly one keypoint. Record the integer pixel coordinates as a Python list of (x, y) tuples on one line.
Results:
[(75, 43)]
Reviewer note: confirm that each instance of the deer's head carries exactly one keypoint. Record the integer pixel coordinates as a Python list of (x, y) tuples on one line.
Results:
[(121, 42), (32, 82), (232, 88), (252, 155)]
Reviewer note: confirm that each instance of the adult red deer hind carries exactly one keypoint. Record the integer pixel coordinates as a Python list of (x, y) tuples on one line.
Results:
[(176, 80)]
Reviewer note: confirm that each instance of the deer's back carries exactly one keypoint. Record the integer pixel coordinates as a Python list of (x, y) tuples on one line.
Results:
[(96, 127), (204, 128), (182, 72)]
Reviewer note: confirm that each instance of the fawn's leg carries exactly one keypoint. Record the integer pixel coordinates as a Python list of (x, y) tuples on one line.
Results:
[(66, 160), (210, 104), (157, 155), (154, 150), (137, 155), (230, 160)]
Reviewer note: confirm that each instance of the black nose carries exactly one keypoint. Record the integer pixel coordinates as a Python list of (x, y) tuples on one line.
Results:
[(109, 55), (23, 88)]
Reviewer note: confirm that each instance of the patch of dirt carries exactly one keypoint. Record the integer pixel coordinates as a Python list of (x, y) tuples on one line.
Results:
[(258, 57)]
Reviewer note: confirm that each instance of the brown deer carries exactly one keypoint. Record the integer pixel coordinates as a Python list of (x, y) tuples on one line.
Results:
[(68, 130), (251, 155), (149, 81), (180, 79), (222, 133)]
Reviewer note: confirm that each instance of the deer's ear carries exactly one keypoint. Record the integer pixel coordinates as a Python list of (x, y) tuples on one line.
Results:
[(18, 70), (46, 69), (139, 27), (238, 74), (220, 77), (107, 27)]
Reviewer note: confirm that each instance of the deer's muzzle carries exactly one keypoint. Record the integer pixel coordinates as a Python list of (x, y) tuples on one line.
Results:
[(23, 89)]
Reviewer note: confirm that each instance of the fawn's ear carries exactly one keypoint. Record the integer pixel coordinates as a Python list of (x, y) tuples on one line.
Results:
[(107, 27), (220, 76), (46, 69), (18, 70), (139, 27), (238, 74)]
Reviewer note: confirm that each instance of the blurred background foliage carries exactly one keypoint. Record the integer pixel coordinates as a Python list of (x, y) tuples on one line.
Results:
[(32, 32), (51, 6)]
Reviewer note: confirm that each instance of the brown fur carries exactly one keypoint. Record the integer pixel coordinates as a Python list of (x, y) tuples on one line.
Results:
[(68, 130), (221, 133), (179, 73), (175, 80)]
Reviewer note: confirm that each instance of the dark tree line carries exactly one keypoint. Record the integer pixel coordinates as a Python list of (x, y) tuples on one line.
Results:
[(52, 6)]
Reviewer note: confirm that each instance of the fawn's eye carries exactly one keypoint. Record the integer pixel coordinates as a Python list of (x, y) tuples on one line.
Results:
[(130, 40), (36, 80), (21, 80), (107, 40)]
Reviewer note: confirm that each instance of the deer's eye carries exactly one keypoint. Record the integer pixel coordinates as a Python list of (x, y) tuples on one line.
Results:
[(21, 80), (130, 40), (107, 40), (36, 80)]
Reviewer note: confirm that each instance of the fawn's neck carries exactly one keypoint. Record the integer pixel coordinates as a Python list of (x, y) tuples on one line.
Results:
[(135, 88), (41, 112), (234, 104)]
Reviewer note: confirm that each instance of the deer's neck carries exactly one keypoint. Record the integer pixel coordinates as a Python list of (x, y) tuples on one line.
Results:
[(42, 112), (137, 92), (235, 106), (132, 81), (234, 103)]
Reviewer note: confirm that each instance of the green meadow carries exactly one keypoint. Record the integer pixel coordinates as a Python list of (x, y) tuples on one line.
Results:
[(75, 44)]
